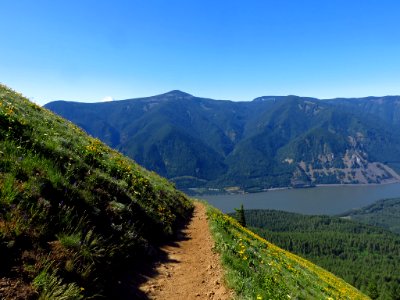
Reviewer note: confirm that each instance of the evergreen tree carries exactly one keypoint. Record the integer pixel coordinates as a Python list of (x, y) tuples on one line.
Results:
[(373, 290), (240, 216)]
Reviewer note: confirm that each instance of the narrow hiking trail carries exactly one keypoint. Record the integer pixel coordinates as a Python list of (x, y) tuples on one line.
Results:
[(192, 270)]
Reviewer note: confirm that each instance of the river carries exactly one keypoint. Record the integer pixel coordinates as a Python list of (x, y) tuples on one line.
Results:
[(329, 200)]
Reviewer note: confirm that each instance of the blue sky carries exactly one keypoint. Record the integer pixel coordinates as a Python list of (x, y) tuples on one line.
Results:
[(238, 50)]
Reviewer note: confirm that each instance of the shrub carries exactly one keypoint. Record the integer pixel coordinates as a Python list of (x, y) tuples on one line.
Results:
[(50, 287)]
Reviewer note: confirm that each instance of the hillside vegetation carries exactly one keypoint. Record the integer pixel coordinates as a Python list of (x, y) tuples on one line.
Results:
[(257, 269), (74, 214), (268, 142), (366, 257), (76, 217), (383, 213)]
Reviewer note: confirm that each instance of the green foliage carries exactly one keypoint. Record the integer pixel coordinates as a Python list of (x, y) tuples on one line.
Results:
[(383, 213), (51, 287), (240, 217), (70, 240), (8, 191), (257, 269), (373, 291), (69, 200), (365, 256)]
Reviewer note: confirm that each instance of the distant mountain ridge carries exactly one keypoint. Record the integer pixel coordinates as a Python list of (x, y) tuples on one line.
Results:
[(272, 141)]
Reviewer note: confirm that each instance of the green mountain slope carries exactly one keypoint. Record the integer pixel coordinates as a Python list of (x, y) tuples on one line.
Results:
[(257, 269), (386, 108), (383, 213), (74, 214), (75, 217), (268, 142), (367, 257)]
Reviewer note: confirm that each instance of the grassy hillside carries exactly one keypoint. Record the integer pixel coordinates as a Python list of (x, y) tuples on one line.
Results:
[(383, 213), (74, 214), (257, 269), (367, 257), (268, 142)]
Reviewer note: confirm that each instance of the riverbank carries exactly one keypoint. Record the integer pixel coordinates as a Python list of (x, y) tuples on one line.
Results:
[(326, 199), (238, 191), (384, 182)]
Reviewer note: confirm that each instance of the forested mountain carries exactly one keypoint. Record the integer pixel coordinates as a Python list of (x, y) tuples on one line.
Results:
[(268, 142), (383, 213), (76, 218), (365, 256), (387, 108)]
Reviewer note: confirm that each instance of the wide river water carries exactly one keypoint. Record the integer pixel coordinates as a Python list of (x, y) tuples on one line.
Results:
[(327, 200)]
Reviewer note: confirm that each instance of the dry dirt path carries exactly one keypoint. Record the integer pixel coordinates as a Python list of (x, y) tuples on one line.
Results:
[(193, 270)]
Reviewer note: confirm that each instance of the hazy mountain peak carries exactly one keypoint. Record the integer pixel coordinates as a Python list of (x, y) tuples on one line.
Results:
[(271, 98), (178, 93)]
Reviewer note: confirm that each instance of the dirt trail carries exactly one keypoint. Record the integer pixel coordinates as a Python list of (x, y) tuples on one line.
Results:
[(193, 270)]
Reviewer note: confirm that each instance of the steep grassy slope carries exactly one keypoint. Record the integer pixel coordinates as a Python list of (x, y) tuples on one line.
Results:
[(257, 269), (383, 213), (74, 214), (366, 257), (268, 142)]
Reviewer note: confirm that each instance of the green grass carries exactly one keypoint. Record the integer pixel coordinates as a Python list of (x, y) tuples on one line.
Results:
[(257, 269), (51, 287), (72, 205)]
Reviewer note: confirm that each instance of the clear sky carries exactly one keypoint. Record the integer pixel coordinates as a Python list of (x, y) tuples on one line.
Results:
[(89, 50)]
